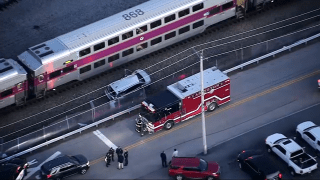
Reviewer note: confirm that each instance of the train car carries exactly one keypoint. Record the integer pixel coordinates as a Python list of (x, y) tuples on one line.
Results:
[(120, 38), (14, 85)]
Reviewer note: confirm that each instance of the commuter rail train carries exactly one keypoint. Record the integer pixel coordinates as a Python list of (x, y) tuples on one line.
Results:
[(110, 42)]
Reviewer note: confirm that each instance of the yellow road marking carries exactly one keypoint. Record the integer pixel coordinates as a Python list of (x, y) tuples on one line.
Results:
[(187, 123)]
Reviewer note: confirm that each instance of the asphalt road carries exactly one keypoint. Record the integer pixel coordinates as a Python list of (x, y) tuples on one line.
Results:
[(265, 94)]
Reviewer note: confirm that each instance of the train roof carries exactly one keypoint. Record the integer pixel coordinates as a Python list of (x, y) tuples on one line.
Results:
[(116, 25), (192, 84), (11, 73)]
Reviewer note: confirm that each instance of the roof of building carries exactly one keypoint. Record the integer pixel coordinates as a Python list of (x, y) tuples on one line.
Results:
[(192, 84)]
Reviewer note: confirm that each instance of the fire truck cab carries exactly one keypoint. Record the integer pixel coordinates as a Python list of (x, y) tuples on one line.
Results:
[(182, 101)]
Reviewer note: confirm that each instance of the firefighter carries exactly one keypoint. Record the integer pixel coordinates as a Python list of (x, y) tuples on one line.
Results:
[(139, 125), (107, 159), (111, 152)]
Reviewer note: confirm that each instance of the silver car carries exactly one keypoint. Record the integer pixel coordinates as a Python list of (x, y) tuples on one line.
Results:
[(138, 78)]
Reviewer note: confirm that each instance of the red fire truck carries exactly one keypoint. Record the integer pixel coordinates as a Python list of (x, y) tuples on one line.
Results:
[(182, 101)]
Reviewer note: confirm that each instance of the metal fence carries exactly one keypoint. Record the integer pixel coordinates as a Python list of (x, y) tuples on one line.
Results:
[(220, 56), (74, 122)]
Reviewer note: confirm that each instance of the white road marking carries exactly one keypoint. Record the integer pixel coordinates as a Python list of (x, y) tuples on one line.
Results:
[(31, 171), (104, 139), (34, 161)]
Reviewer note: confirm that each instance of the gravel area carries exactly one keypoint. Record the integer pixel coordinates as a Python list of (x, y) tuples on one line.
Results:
[(50, 16)]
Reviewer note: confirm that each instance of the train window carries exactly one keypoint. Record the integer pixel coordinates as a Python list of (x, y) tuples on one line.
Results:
[(155, 24), (227, 5), (40, 78), (113, 58), (84, 52), (113, 41), (169, 18), (85, 69), (127, 35), (68, 69), (99, 63), (170, 35), (142, 46), (156, 40), (184, 29), (214, 10), (6, 93), (55, 74), (198, 24), (142, 29), (127, 52), (197, 7), (184, 12), (99, 46)]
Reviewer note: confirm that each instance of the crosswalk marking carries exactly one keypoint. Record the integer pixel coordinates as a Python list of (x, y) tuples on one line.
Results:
[(104, 139)]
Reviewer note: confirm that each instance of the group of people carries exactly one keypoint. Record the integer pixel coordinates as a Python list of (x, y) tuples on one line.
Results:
[(164, 157), (122, 157)]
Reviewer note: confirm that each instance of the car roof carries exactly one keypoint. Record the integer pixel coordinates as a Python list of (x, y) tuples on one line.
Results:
[(185, 161), (125, 83), (57, 162), (263, 164), (316, 132)]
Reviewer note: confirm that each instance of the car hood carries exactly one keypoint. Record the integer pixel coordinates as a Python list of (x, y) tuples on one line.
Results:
[(213, 167), (274, 137), (81, 159), (305, 125)]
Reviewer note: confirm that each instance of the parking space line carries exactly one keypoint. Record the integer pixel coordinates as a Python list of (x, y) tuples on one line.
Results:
[(104, 139), (31, 171)]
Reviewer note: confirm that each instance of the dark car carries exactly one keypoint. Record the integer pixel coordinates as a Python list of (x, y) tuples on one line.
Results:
[(193, 168), (258, 166), (64, 166), (14, 169)]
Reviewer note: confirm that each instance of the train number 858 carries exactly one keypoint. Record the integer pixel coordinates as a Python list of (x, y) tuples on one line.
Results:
[(133, 14)]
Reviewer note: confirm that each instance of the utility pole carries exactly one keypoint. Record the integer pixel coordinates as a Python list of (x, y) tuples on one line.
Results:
[(204, 134)]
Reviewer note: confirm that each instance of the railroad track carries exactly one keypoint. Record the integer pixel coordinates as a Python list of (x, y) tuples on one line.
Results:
[(75, 85)]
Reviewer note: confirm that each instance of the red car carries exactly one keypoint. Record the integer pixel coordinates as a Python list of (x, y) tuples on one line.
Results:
[(193, 168)]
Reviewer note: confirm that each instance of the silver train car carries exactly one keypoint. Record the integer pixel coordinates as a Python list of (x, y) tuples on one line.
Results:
[(120, 38)]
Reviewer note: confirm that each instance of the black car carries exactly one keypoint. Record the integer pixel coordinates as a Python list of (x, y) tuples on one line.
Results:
[(14, 169), (258, 166), (64, 166)]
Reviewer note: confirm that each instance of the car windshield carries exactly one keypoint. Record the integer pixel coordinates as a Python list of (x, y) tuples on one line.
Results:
[(111, 91), (141, 79), (203, 165)]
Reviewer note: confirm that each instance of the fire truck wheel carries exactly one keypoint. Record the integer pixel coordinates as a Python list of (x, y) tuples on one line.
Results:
[(168, 125), (212, 106)]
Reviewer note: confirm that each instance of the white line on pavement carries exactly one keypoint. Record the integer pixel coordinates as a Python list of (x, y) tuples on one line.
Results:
[(104, 139), (31, 171)]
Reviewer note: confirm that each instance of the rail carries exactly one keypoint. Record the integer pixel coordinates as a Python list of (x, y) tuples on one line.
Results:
[(272, 53), (71, 133)]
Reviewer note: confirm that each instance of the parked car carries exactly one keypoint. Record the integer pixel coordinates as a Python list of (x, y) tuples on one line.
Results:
[(64, 166), (193, 168), (258, 166), (298, 161), (14, 169), (310, 132), (127, 84)]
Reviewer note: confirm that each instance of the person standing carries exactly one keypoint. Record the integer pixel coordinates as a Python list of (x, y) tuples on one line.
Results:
[(126, 155), (120, 161), (108, 159), (111, 152), (175, 153), (119, 151), (163, 159)]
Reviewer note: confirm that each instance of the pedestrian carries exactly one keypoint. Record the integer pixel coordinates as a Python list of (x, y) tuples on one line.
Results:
[(119, 151), (125, 154), (111, 152), (175, 153), (120, 161), (163, 159), (107, 159)]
